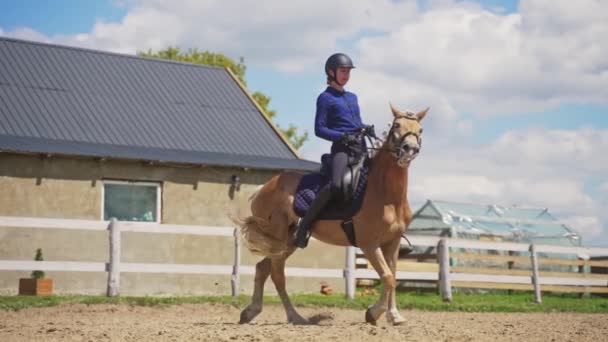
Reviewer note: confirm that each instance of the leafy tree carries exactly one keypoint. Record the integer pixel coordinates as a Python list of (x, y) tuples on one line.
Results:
[(291, 133), (294, 138), (218, 59)]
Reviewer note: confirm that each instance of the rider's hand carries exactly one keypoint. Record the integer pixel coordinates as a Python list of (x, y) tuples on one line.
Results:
[(370, 131), (349, 139)]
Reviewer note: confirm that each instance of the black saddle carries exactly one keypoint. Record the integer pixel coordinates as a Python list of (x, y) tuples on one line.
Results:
[(351, 177)]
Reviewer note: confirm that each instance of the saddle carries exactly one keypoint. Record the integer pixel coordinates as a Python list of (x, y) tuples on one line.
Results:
[(353, 188), (351, 178)]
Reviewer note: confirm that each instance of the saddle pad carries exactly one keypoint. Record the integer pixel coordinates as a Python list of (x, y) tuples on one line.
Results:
[(311, 184)]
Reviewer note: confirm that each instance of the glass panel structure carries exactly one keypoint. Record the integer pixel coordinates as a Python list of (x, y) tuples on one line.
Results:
[(492, 222)]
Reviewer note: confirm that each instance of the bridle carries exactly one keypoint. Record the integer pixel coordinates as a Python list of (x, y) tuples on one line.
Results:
[(397, 150)]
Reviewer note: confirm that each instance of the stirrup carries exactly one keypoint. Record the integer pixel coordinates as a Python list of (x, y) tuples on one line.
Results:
[(298, 241)]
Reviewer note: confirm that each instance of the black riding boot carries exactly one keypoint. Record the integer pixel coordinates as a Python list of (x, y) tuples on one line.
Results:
[(303, 230)]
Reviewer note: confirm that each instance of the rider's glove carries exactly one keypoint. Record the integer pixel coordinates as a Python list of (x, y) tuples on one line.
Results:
[(349, 139), (370, 131)]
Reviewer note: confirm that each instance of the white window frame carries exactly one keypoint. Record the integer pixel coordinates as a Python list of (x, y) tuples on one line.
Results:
[(158, 186)]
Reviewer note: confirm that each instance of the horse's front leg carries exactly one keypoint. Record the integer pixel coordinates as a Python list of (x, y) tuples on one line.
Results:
[(391, 254), (262, 271), (277, 274), (376, 258)]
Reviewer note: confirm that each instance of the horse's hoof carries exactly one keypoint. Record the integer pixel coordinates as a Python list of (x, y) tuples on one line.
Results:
[(244, 317), (302, 321), (298, 321), (369, 318), (248, 315), (395, 319), (398, 321)]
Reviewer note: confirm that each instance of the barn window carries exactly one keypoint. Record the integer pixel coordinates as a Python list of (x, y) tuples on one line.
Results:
[(131, 201)]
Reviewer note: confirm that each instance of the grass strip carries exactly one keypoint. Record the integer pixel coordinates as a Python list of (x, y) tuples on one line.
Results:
[(518, 302)]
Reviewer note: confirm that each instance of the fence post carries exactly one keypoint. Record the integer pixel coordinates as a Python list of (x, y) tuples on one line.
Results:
[(349, 272), (510, 265), (237, 261), (582, 270), (443, 254), (114, 264), (535, 276)]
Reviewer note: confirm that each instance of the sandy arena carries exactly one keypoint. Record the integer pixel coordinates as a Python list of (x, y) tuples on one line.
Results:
[(217, 322)]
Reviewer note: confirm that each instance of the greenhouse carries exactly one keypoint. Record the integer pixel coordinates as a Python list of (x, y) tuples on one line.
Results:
[(492, 223)]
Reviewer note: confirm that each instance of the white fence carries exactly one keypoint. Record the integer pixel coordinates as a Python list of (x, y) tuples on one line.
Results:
[(495, 278), (114, 267)]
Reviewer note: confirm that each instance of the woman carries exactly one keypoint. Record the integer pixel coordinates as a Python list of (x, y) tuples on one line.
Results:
[(339, 121)]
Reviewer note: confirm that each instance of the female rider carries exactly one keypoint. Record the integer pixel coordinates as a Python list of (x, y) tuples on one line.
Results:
[(339, 121)]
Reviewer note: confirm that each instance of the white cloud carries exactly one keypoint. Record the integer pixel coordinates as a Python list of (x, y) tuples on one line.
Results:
[(287, 35), (27, 34), (589, 227), (487, 62), (538, 168), (464, 57), (376, 90), (557, 194), (566, 151)]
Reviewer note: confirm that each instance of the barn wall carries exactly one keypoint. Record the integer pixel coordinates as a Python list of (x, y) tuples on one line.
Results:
[(58, 187)]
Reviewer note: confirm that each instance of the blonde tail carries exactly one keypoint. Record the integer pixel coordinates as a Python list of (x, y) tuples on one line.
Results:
[(254, 232)]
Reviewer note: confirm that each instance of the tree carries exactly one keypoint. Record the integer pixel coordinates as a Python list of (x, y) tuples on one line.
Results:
[(38, 274), (290, 133), (218, 59)]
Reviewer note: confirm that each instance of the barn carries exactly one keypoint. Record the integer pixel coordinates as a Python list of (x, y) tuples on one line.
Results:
[(89, 135)]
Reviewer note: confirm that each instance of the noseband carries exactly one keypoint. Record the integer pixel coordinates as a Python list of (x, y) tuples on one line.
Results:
[(397, 150)]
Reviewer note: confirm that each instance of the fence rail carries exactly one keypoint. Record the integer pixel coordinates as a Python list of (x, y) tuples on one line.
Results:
[(114, 267), (442, 272), (450, 276)]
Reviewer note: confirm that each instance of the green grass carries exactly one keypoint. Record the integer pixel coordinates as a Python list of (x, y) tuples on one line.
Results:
[(519, 302)]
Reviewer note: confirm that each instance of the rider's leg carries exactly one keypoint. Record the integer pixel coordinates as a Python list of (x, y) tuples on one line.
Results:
[(339, 163), (338, 167)]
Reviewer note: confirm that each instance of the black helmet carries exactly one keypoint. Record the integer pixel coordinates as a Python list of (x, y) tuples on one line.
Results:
[(337, 60)]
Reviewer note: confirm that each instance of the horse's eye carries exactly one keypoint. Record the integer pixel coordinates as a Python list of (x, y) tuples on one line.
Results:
[(396, 125), (421, 130)]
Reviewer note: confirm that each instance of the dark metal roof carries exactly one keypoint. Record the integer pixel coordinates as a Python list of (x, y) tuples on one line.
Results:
[(73, 101)]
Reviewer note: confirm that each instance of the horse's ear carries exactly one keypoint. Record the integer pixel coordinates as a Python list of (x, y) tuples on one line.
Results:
[(396, 112), (422, 114)]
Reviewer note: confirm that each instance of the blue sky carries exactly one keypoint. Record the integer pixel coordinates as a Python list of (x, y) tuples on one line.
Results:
[(58, 17), (517, 89)]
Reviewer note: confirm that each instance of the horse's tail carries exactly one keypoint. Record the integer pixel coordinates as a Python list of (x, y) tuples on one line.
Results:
[(255, 231)]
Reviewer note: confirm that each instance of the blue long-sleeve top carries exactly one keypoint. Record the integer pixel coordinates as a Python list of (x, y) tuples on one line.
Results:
[(337, 113)]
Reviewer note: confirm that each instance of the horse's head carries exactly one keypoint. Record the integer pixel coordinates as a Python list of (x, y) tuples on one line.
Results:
[(404, 138)]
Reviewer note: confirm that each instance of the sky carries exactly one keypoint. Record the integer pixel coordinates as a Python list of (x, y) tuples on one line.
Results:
[(517, 90)]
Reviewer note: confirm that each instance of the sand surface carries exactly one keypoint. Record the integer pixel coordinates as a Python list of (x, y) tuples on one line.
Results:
[(218, 322)]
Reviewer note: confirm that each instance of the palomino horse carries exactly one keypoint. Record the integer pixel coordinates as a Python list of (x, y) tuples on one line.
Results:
[(379, 224)]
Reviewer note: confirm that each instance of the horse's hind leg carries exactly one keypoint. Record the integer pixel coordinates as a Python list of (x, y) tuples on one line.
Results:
[(262, 271), (278, 277)]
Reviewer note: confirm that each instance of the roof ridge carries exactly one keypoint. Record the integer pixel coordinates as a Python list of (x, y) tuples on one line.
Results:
[(103, 52)]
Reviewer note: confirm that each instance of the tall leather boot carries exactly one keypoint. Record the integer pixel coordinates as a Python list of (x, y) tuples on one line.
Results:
[(305, 223)]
